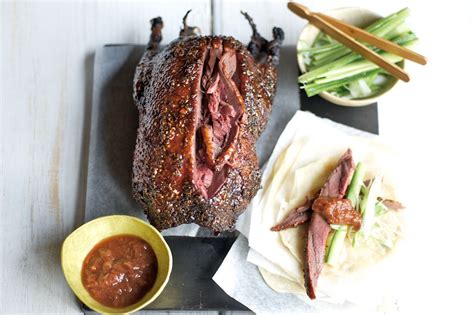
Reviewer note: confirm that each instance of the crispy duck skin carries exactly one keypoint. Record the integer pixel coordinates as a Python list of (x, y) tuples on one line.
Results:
[(203, 101)]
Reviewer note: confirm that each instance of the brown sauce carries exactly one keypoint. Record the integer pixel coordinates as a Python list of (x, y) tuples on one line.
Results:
[(337, 211), (120, 270)]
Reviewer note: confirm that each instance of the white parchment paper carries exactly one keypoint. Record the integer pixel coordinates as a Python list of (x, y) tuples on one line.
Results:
[(239, 275)]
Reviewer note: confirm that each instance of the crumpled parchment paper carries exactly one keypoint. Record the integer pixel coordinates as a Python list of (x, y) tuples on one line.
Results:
[(239, 276)]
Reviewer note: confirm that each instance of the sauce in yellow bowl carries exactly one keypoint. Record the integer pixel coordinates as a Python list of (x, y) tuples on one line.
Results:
[(116, 264)]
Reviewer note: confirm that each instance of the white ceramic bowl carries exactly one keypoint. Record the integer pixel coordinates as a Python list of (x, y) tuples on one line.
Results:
[(355, 16)]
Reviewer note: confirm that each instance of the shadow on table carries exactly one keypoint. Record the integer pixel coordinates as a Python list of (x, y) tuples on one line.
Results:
[(84, 151)]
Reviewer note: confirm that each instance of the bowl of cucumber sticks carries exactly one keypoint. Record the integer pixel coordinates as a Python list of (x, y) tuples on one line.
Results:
[(341, 76)]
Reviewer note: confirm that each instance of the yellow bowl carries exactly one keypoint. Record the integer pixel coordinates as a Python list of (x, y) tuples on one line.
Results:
[(355, 16), (80, 242)]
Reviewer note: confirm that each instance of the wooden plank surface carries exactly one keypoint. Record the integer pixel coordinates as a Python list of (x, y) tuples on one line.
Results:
[(47, 58), (46, 72)]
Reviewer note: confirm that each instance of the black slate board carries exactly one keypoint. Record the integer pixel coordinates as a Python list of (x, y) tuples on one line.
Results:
[(363, 118), (191, 288), (113, 130)]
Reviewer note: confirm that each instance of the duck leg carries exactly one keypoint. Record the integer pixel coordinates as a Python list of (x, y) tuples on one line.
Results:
[(267, 56), (145, 66), (262, 50), (187, 30), (155, 36)]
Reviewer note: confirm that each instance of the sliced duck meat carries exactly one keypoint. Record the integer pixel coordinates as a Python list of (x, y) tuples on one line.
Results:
[(209, 147), (337, 211), (296, 217), (392, 204), (318, 230), (340, 178), (315, 250), (335, 186), (222, 107)]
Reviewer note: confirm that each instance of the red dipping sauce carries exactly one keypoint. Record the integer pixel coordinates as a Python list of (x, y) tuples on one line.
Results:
[(120, 270)]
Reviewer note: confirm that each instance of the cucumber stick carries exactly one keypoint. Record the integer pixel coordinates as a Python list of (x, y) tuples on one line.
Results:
[(353, 191), (368, 205), (334, 250), (357, 181), (331, 66)]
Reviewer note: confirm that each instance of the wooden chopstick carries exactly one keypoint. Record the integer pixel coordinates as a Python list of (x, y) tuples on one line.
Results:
[(347, 41), (369, 38)]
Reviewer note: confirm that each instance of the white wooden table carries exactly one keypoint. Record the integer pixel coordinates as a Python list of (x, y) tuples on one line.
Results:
[(46, 71)]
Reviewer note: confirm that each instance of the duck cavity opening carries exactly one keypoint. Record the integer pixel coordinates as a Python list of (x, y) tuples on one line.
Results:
[(217, 130)]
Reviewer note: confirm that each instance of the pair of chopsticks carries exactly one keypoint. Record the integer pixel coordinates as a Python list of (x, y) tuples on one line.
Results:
[(343, 33)]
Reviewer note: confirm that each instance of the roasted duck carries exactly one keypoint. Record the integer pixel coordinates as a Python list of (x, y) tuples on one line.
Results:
[(203, 102)]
